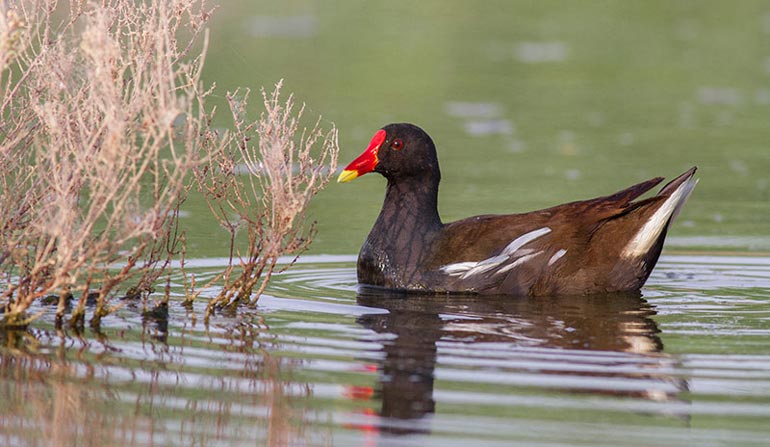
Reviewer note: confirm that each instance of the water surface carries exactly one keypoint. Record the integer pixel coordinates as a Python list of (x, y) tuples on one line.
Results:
[(321, 362)]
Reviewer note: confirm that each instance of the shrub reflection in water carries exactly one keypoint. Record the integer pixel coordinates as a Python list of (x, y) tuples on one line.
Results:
[(218, 387)]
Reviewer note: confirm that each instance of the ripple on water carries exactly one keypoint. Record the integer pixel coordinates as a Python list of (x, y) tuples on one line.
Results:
[(684, 363)]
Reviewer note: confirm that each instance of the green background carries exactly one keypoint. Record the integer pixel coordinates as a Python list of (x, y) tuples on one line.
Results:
[(579, 99)]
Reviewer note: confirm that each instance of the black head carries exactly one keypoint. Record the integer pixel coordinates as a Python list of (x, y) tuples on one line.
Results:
[(396, 151)]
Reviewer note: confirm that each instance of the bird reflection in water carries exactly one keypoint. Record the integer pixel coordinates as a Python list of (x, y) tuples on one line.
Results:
[(533, 335)]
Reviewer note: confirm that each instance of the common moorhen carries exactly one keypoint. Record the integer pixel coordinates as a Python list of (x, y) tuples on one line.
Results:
[(607, 244)]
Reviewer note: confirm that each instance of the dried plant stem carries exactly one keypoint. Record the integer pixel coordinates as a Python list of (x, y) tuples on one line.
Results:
[(261, 180), (103, 117), (100, 125)]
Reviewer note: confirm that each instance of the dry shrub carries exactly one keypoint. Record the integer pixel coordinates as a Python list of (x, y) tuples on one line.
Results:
[(93, 165), (263, 185), (102, 119)]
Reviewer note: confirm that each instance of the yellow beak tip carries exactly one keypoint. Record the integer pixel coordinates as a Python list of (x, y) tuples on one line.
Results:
[(347, 176)]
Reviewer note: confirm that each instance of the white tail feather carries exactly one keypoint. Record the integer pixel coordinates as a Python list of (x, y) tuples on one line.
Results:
[(646, 236)]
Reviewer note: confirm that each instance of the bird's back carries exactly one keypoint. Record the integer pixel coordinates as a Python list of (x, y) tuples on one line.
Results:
[(606, 244)]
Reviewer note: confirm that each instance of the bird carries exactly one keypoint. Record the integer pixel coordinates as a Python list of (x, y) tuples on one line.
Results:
[(601, 245)]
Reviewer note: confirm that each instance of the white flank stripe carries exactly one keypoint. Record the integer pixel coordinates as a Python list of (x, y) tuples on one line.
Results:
[(648, 234), (494, 260), (557, 256), (518, 262), (458, 268), (512, 251), (524, 239), (481, 267)]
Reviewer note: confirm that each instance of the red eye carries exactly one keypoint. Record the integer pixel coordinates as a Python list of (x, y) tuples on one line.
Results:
[(397, 145)]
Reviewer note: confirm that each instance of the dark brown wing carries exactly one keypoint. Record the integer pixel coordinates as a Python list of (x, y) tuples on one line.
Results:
[(577, 247), (479, 237)]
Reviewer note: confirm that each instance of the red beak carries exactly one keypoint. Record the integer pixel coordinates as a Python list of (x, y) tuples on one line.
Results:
[(366, 162)]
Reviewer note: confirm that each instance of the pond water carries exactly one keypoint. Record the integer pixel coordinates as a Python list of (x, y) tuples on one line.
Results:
[(320, 362), (531, 104)]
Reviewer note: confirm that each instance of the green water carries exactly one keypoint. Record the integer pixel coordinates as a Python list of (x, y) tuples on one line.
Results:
[(687, 363), (530, 104)]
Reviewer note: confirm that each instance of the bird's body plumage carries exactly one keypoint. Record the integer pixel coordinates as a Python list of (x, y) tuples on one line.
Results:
[(606, 244)]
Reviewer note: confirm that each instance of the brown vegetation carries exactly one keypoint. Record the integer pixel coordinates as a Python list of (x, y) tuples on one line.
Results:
[(264, 186), (102, 119)]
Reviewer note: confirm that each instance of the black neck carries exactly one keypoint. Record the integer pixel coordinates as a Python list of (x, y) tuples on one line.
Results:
[(411, 203), (406, 226)]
